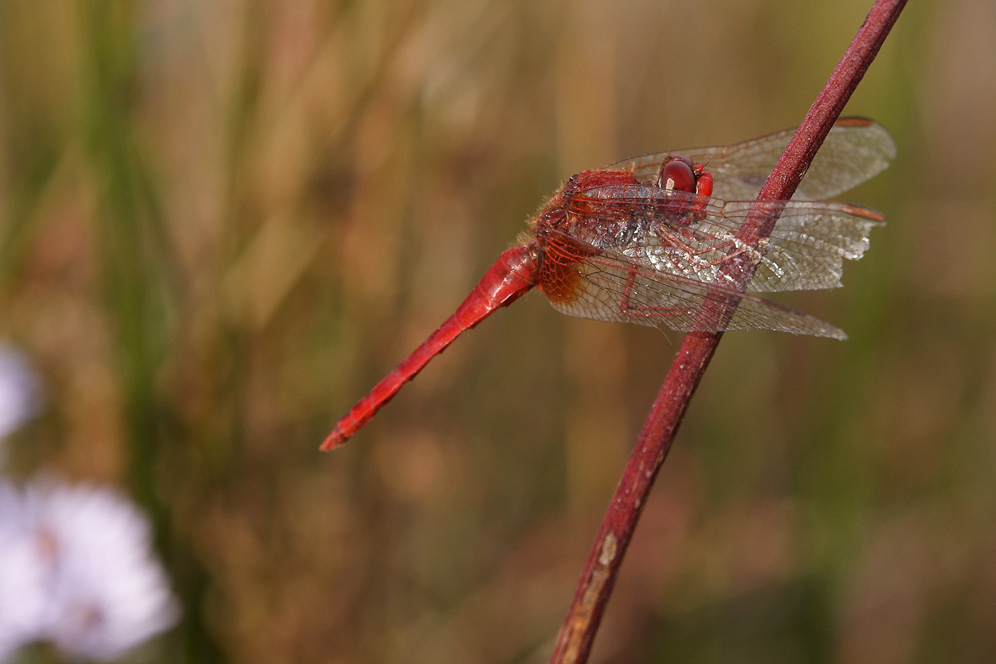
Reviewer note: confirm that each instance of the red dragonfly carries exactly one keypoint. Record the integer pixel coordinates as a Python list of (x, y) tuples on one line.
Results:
[(644, 241)]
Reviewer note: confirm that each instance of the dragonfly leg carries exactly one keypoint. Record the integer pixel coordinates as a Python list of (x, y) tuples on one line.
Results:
[(738, 249), (694, 252), (729, 249), (641, 311)]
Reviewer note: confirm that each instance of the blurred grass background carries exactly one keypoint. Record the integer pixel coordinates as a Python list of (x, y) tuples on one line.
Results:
[(223, 222)]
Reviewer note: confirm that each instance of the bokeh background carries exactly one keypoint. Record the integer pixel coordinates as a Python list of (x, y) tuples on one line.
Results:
[(221, 223)]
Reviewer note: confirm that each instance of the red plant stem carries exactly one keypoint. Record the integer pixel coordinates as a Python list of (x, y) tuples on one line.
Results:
[(585, 612)]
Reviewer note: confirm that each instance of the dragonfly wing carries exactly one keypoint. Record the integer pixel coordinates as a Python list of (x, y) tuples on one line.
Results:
[(611, 286), (855, 150), (806, 250)]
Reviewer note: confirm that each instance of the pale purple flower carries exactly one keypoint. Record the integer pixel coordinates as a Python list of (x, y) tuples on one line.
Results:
[(22, 574), (102, 592), (19, 393)]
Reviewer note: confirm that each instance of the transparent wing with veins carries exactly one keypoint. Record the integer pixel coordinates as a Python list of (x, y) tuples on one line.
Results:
[(806, 250), (617, 287), (855, 150), (670, 262)]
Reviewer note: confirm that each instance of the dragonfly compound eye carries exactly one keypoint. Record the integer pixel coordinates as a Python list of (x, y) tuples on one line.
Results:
[(677, 175)]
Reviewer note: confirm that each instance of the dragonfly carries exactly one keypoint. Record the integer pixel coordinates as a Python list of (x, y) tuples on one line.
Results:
[(647, 241)]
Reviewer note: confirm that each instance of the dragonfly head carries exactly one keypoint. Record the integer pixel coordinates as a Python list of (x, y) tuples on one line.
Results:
[(680, 174)]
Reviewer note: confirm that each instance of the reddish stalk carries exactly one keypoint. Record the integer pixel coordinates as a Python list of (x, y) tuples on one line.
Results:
[(585, 612)]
